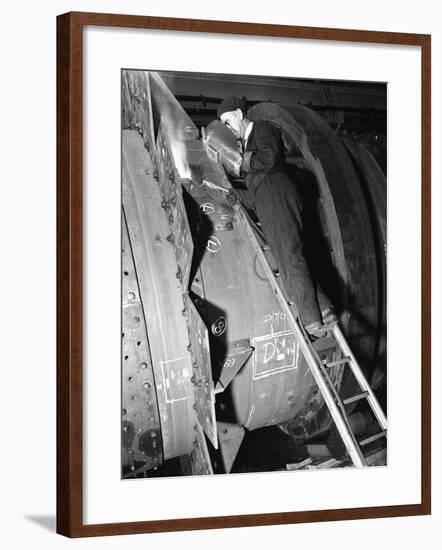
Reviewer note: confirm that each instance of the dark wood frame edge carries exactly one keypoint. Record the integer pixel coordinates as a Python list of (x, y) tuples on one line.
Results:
[(70, 270), (426, 272), (69, 275)]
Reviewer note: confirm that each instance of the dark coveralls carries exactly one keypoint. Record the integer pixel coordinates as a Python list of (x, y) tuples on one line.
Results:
[(275, 199)]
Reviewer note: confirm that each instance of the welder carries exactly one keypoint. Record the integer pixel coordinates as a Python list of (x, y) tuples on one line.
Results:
[(273, 196)]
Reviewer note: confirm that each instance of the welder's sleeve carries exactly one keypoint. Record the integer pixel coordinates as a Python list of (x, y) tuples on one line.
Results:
[(243, 195), (269, 150)]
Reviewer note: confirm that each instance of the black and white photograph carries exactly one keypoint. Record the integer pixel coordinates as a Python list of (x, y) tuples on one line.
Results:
[(254, 270), (222, 249)]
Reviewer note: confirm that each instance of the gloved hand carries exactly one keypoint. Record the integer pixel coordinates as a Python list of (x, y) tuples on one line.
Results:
[(231, 198)]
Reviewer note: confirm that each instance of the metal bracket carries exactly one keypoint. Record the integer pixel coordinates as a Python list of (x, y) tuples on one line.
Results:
[(230, 439), (237, 354)]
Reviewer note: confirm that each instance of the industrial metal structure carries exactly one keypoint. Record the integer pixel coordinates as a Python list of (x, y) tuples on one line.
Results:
[(208, 353)]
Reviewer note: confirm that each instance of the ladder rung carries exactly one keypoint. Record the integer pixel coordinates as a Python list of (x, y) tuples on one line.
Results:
[(330, 463), (373, 438), (355, 398), (360, 378), (345, 359)]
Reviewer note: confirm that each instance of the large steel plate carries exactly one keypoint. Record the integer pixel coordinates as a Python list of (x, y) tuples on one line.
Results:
[(141, 433), (173, 204), (161, 297)]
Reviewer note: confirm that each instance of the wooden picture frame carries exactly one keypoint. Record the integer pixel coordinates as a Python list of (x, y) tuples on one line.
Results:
[(70, 268)]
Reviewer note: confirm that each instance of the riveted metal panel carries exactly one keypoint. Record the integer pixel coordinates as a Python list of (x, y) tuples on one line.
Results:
[(141, 433), (202, 372), (136, 106), (172, 203), (198, 462), (161, 296)]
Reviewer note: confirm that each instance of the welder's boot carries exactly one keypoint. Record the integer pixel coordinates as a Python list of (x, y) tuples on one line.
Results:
[(316, 330), (329, 318)]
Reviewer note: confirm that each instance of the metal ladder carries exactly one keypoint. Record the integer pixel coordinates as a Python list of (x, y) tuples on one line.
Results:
[(319, 368)]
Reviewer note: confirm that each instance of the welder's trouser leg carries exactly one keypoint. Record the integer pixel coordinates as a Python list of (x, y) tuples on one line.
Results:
[(278, 207), (323, 299)]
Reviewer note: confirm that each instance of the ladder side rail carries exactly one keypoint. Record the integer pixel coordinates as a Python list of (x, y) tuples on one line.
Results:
[(359, 375), (323, 370), (312, 361)]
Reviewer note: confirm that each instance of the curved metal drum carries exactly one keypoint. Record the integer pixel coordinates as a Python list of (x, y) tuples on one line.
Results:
[(238, 305), (374, 186)]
